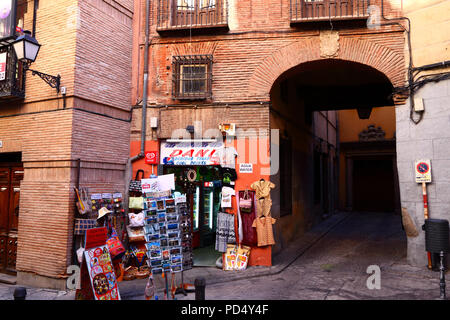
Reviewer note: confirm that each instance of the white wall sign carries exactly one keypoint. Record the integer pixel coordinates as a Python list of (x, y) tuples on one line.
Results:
[(1, 144), (423, 171), (161, 183), (246, 168)]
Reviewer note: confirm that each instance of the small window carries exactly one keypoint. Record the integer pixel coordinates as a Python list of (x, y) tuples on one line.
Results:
[(192, 77)]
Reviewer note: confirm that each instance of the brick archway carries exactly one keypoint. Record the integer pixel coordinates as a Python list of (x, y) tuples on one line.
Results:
[(387, 60)]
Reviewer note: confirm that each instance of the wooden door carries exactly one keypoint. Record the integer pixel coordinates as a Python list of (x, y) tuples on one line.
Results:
[(10, 178)]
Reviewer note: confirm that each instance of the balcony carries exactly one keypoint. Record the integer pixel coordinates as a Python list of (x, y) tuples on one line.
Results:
[(12, 77), (328, 10), (191, 15)]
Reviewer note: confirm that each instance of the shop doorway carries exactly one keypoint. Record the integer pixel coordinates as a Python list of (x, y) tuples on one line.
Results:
[(11, 174), (202, 187)]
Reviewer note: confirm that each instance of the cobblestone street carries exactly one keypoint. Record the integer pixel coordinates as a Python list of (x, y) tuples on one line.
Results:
[(335, 267)]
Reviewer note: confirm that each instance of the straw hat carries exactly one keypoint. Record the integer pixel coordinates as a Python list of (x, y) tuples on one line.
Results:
[(102, 212)]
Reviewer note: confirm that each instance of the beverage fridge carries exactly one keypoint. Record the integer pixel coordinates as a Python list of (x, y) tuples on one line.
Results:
[(205, 205)]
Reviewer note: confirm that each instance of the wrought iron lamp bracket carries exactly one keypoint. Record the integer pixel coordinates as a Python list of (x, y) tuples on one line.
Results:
[(52, 81)]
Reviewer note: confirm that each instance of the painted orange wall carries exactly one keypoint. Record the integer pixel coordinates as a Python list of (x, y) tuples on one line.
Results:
[(259, 256)]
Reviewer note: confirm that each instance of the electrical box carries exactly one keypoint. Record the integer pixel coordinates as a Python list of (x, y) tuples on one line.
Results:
[(418, 105), (154, 122)]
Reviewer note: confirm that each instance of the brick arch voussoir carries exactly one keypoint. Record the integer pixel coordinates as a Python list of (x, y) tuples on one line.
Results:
[(382, 58), (273, 66), (377, 56)]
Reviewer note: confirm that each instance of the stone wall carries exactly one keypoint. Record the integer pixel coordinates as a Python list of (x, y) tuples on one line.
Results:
[(430, 139)]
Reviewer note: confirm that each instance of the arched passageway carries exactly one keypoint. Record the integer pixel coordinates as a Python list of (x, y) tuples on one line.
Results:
[(336, 120)]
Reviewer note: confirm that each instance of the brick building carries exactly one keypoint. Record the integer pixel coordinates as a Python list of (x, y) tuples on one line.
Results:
[(46, 135), (292, 66), (263, 65)]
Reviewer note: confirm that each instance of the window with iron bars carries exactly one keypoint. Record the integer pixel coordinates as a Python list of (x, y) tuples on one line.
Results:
[(192, 77)]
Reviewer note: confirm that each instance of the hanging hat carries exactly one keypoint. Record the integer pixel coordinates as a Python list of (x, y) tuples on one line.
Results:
[(102, 212)]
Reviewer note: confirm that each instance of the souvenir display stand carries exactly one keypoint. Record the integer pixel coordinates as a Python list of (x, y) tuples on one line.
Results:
[(167, 217), (167, 235), (135, 261)]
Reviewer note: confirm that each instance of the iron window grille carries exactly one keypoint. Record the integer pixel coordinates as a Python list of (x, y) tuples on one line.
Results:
[(323, 10), (188, 14), (192, 77)]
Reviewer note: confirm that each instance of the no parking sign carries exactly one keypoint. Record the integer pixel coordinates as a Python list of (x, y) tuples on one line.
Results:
[(423, 171)]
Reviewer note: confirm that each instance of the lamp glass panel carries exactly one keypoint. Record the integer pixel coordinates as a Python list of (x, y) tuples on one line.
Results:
[(18, 48), (31, 50)]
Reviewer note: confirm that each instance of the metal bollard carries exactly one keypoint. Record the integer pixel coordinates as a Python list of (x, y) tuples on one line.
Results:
[(442, 277), (200, 284), (20, 293)]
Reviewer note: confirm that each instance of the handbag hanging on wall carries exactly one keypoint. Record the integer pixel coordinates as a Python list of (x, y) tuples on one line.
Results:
[(83, 205), (136, 203), (115, 246), (135, 185), (136, 220), (81, 225), (245, 203), (249, 237)]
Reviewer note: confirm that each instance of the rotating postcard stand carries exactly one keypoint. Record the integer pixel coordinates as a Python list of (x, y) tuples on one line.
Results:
[(166, 225)]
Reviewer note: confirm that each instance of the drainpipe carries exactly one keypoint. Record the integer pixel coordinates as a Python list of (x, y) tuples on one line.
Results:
[(35, 7), (129, 165), (410, 68)]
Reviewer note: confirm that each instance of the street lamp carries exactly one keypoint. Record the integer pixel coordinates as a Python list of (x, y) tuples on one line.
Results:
[(27, 48)]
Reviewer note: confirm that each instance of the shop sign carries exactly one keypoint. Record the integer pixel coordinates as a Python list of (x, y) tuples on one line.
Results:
[(423, 171), (101, 273), (191, 153), (2, 66), (246, 168), (151, 157)]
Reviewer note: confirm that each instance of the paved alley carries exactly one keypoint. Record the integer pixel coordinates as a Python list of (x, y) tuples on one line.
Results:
[(335, 267)]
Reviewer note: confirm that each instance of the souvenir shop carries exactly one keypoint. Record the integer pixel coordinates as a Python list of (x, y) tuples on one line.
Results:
[(190, 215)]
